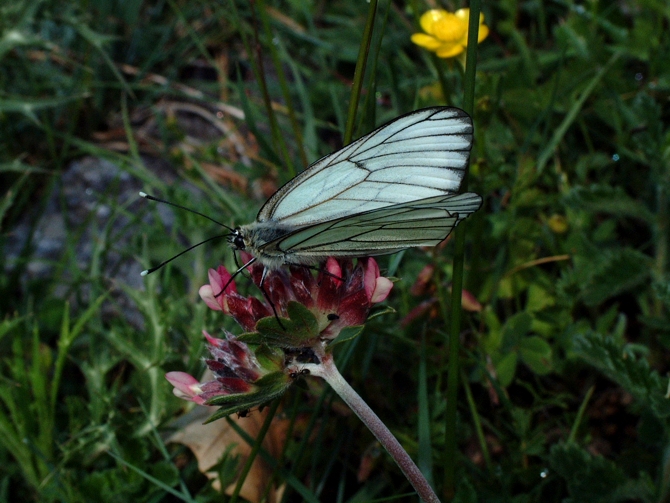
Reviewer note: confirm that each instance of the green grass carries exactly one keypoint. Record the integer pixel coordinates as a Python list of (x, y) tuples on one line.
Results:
[(563, 371)]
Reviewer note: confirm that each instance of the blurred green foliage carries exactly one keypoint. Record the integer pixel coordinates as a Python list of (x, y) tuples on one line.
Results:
[(568, 257)]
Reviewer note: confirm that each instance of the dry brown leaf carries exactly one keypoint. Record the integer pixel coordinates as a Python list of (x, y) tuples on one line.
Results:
[(368, 462), (424, 281), (209, 441), (225, 176)]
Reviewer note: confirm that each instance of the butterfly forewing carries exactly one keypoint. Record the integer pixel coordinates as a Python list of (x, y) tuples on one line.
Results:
[(417, 156)]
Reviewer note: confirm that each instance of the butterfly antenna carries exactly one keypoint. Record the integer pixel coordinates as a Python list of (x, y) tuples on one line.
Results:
[(152, 198), (149, 271)]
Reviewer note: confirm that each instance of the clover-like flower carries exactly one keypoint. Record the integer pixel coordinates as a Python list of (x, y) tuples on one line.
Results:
[(310, 313), (244, 376), (340, 296), (260, 365), (446, 32), (234, 365)]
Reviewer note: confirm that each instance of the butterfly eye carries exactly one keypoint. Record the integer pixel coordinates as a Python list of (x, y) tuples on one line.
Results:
[(237, 240)]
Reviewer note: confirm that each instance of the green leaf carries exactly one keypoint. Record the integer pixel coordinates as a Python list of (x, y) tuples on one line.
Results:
[(381, 312), (621, 366), (607, 199), (515, 329), (347, 334), (269, 357), (10, 324), (506, 368), (29, 107), (589, 478), (536, 353), (662, 291), (573, 113), (617, 272), (99, 41), (270, 386), (300, 326), (538, 298)]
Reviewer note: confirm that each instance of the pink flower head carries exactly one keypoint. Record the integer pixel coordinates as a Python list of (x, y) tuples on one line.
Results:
[(235, 369), (340, 296), (261, 364)]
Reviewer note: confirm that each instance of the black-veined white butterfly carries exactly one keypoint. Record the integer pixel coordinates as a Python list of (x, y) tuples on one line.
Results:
[(392, 189)]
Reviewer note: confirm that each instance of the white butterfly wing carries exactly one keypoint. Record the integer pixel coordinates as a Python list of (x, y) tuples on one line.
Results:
[(425, 222), (416, 156)]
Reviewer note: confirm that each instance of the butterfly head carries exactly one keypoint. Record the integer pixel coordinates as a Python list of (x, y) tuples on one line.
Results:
[(237, 240)]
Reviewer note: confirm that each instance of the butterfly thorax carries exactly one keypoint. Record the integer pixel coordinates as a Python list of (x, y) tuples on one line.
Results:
[(258, 239)]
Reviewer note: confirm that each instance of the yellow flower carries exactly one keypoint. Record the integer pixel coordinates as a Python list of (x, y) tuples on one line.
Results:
[(558, 223), (447, 33)]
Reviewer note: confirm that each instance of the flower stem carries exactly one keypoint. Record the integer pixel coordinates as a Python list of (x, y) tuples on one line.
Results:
[(457, 279), (328, 371)]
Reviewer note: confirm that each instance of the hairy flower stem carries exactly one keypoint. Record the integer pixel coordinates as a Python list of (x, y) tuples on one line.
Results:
[(328, 371)]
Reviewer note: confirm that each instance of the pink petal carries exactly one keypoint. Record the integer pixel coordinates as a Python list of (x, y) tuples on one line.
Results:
[(185, 386), (214, 341), (418, 311), (382, 289), (258, 310), (301, 282), (333, 267), (328, 294), (377, 288), (207, 294), (214, 278), (371, 270), (470, 302), (222, 277), (276, 288), (353, 309)]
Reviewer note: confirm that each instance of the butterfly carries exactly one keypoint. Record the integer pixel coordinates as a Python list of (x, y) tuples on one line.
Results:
[(392, 189)]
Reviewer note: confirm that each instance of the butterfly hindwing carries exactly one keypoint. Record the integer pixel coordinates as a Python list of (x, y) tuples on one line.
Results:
[(425, 222)]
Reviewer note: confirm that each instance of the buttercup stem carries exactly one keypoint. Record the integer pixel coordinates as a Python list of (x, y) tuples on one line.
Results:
[(450, 442), (328, 371)]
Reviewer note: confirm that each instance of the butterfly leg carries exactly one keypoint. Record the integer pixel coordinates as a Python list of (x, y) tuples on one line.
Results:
[(320, 269), (239, 270), (267, 297)]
